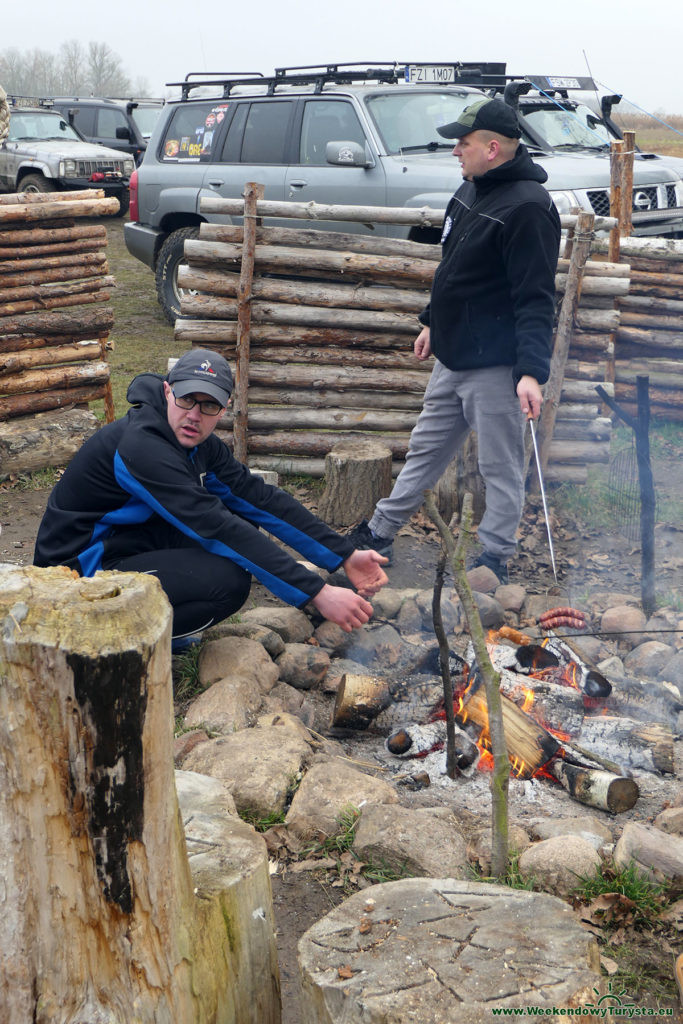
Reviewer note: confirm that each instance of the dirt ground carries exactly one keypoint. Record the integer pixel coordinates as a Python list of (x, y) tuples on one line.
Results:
[(593, 564)]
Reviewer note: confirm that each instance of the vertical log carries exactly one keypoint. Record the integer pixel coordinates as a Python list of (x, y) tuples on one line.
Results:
[(647, 498), (626, 217), (109, 412), (563, 337), (615, 201), (252, 193)]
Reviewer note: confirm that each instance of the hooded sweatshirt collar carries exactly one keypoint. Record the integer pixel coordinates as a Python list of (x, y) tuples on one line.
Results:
[(520, 168)]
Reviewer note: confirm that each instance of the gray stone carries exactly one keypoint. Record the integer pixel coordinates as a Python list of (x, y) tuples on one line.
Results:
[(409, 619), (490, 611), (388, 602), (591, 647), (303, 665), (555, 864), (382, 649), (228, 705), (587, 826), (648, 659), (330, 787), (283, 697), (421, 841), (235, 656), (672, 671), (511, 597), (624, 622), (479, 850), (443, 951), (670, 820), (332, 637), (656, 854), (483, 580), (290, 623), (612, 666), (268, 638), (259, 766), (451, 611)]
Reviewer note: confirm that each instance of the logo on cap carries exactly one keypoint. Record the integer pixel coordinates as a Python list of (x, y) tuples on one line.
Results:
[(206, 366)]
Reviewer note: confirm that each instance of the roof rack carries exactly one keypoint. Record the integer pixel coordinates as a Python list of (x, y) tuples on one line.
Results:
[(480, 74)]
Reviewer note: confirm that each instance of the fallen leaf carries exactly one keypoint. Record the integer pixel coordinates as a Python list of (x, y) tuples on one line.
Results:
[(610, 966), (344, 972)]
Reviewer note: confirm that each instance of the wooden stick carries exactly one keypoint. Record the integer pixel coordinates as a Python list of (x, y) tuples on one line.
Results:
[(252, 193), (57, 398), (37, 236), (56, 210), (594, 787), (28, 198)]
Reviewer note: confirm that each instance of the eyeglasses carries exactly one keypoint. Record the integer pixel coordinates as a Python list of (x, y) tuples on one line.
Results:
[(208, 408)]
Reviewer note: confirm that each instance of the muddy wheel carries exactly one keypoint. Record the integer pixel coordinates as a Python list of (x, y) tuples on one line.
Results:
[(170, 257), (36, 183)]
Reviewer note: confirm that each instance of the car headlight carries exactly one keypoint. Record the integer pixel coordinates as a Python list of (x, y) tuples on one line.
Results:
[(564, 201), (67, 168), (128, 167)]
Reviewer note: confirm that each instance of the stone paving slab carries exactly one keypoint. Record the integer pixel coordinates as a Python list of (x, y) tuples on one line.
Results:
[(444, 951)]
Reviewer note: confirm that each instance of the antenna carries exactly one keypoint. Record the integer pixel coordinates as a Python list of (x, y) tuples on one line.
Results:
[(595, 84)]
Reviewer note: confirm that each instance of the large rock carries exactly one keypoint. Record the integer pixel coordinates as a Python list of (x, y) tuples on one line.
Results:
[(303, 666), (330, 787), (229, 864), (670, 820), (655, 853), (443, 951), (259, 766), (381, 649), (625, 623), (587, 826), (227, 706), (555, 864), (290, 623), (648, 659), (233, 657), (421, 841), (268, 638)]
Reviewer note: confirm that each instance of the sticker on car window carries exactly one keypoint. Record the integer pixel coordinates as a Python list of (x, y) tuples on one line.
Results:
[(172, 147)]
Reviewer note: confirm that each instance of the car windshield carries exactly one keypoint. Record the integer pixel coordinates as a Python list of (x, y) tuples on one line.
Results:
[(568, 128), (39, 125), (145, 118), (407, 120)]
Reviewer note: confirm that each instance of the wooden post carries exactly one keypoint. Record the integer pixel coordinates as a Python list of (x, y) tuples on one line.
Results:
[(626, 214), (563, 336), (100, 921), (252, 193), (647, 498), (109, 411), (615, 200)]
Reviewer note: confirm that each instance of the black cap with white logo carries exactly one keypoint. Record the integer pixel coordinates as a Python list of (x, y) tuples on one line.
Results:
[(203, 372)]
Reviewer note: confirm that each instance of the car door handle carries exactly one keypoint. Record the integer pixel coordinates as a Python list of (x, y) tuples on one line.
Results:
[(215, 184), (298, 183)]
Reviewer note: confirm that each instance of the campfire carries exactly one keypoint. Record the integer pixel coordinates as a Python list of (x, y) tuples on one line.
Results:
[(557, 718)]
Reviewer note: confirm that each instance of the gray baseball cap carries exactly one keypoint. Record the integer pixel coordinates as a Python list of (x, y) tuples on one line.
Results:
[(484, 115), (202, 371)]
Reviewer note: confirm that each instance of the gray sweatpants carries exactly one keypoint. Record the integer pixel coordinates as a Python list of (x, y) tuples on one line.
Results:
[(456, 402)]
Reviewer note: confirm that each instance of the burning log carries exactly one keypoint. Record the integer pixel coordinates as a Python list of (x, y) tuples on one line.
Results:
[(636, 745)]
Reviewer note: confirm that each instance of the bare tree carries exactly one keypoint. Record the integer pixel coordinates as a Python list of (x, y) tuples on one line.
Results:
[(106, 76), (72, 58)]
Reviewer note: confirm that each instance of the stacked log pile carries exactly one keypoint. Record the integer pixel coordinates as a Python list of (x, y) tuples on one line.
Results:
[(53, 355), (333, 317), (649, 339)]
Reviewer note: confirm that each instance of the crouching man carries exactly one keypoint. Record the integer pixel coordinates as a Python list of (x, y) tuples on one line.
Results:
[(157, 492)]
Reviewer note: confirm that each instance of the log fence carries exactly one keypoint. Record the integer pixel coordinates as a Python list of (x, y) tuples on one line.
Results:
[(332, 320), (54, 290)]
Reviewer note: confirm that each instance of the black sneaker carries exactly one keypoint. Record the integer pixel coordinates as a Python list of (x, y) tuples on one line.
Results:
[(494, 564), (362, 537)]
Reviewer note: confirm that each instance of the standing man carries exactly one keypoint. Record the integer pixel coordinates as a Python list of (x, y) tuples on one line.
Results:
[(157, 492), (489, 323)]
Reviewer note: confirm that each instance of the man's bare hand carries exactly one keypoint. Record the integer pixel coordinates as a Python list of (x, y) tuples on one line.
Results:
[(364, 570), (343, 606), (530, 397), (422, 347)]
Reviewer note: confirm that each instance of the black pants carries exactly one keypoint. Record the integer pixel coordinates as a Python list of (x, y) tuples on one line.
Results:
[(202, 588)]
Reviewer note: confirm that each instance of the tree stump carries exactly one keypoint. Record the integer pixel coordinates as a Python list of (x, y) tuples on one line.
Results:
[(357, 475), (100, 922), (444, 951)]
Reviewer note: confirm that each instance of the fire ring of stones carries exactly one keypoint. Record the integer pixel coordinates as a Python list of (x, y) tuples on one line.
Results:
[(442, 951)]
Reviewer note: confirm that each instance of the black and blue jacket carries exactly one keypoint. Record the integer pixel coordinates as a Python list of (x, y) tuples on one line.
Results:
[(493, 295), (132, 485)]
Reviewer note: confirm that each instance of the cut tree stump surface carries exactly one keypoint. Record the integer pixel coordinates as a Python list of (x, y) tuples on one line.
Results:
[(442, 951)]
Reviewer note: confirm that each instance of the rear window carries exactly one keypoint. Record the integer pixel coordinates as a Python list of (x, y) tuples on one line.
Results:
[(265, 133), (192, 130)]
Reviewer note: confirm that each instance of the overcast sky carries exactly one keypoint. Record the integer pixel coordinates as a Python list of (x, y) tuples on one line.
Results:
[(632, 48)]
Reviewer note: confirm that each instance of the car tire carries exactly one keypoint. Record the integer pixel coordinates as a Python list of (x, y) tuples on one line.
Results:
[(170, 257), (124, 203), (36, 183)]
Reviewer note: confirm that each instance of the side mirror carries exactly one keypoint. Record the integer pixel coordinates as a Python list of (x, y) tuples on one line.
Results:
[(123, 133), (348, 154)]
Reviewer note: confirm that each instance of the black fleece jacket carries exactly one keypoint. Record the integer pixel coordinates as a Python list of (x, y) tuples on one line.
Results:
[(493, 295), (132, 485)]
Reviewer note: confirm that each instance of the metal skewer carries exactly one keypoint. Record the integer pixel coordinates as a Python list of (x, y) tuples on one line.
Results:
[(545, 504)]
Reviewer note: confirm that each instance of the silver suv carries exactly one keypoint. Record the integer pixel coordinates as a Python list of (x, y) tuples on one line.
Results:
[(341, 134), (42, 153)]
